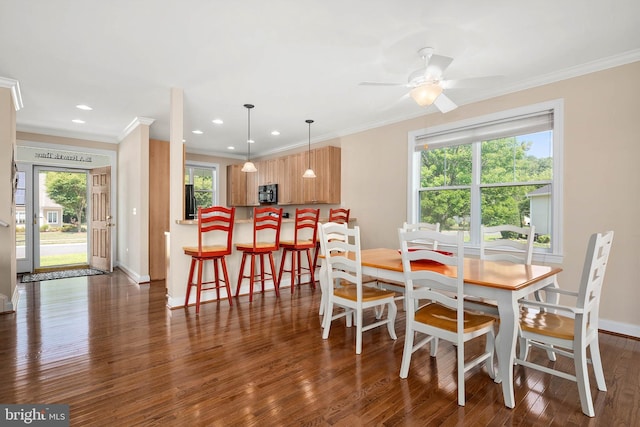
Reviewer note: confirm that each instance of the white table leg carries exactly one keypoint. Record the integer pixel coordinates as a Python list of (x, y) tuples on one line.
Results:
[(506, 345)]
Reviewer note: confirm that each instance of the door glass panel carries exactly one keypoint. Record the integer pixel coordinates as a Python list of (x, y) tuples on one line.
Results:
[(21, 216), (62, 222)]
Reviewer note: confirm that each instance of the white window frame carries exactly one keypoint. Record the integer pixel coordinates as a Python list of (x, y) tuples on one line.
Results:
[(49, 213), (215, 167), (555, 255)]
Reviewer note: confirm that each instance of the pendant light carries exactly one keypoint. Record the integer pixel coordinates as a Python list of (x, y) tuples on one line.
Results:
[(249, 166), (309, 172)]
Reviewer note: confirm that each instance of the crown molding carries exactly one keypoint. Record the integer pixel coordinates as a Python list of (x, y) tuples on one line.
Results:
[(64, 133), (14, 85), (134, 124)]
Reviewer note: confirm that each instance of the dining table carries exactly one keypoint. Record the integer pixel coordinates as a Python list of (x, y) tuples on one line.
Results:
[(499, 281)]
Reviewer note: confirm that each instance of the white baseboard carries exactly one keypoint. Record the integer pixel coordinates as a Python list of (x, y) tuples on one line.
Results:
[(133, 275), (619, 328)]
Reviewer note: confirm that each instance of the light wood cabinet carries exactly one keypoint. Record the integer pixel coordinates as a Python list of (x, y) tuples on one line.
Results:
[(325, 187), (267, 171), (286, 171), (242, 187)]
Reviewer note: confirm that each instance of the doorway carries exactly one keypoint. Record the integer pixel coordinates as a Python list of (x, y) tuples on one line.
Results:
[(63, 218), (60, 218)]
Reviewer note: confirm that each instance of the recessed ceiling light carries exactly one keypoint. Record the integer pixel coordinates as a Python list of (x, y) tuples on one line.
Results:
[(197, 132), (83, 107), (275, 133), (217, 121), (231, 147), (78, 121), (251, 141)]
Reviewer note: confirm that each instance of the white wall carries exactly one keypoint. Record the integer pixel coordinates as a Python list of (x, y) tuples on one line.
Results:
[(7, 207), (132, 222)]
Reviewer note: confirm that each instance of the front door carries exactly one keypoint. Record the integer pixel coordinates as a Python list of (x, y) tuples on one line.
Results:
[(100, 182)]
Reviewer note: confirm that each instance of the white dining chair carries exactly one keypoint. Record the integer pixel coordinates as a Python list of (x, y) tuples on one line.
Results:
[(503, 248), (443, 315), (344, 284), (569, 330), (432, 244)]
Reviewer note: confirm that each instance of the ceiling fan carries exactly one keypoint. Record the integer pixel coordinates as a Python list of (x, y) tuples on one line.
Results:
[(427, 83)]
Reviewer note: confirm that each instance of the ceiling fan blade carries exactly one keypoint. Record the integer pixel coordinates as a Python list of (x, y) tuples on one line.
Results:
[(444, 103), (437, 64), (475, 82), (380, 84)]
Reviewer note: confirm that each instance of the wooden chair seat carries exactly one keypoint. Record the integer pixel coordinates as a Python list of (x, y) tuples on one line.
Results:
[(259, 246), (545, 323), (207, 251), (445, 318), (350, 292), (301, 244)]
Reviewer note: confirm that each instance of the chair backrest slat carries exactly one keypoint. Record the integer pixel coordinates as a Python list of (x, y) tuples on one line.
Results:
[(423, 226), (505, 249), (216, 218), (306, 226), (339, 215), (339, 240), (595, 265), (267, 222), (431, 285)]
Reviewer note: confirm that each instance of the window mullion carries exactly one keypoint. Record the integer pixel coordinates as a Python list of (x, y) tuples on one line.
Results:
[(476, 214)]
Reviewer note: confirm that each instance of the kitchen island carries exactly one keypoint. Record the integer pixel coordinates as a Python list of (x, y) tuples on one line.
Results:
[(185, 233)]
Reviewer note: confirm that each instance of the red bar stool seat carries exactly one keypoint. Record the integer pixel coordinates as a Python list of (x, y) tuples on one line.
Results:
[(266, 240), (217, 220)]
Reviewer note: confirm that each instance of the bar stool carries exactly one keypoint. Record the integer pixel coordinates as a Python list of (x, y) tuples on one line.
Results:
[(266, 239), (306, 229), (217, 220), (337, 215)]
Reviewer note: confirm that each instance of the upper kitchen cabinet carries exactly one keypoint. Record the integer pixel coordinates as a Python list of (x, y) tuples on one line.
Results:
[(286, 171), (267, 172), (325, 187), (242, 187)]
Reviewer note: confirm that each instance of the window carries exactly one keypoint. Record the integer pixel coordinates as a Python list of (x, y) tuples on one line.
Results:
[(52, 217), (498, 169), (204, 178)]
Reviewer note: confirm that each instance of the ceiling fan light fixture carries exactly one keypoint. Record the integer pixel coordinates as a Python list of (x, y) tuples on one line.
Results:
[(248, 165), (309, 173), (426, 93)]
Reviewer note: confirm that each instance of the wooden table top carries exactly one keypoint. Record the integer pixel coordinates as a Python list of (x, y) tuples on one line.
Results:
[(495, 274)]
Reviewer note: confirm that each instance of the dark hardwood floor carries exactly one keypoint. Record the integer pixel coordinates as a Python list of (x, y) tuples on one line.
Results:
[(113, 351)]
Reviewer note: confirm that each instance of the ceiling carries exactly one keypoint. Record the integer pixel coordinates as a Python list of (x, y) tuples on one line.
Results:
[(295, 60)]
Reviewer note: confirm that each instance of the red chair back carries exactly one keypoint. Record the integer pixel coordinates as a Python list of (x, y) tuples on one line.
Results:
[(339, 215), (216, 219), (306, 227), (265, 219)]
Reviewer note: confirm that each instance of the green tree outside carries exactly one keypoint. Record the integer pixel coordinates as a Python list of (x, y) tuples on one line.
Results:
[(69, 190), (446, 176)]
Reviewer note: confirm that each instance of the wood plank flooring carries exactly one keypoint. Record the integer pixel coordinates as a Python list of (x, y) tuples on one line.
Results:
[(113, 351)]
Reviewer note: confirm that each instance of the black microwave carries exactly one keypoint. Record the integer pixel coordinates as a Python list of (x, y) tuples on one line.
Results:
[(268, 194)]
